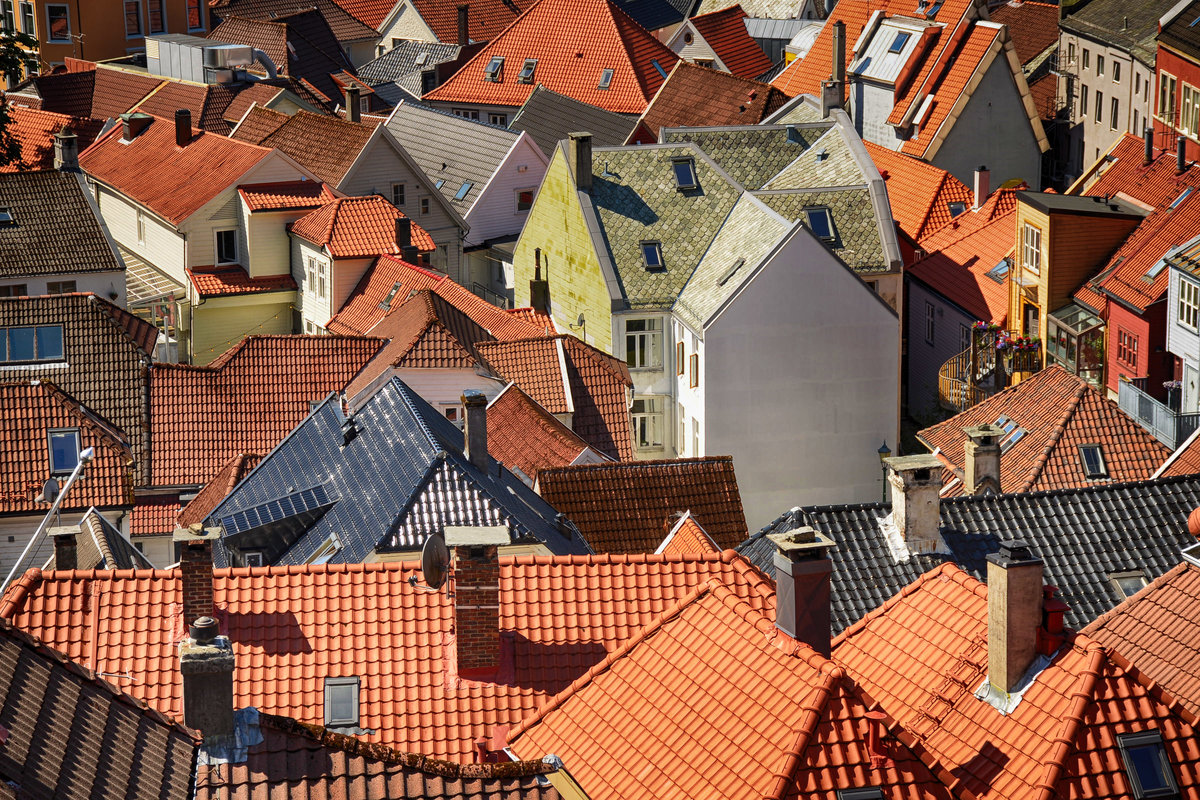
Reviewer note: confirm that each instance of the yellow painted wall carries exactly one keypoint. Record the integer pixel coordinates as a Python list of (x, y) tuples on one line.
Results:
[(220, 323), (102, 23), (569, 262)]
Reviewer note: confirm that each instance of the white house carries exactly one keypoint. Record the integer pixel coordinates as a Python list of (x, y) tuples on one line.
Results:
[(1183, 320)]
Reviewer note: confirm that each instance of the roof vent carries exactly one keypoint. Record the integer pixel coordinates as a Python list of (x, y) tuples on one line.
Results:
[(349, 430)]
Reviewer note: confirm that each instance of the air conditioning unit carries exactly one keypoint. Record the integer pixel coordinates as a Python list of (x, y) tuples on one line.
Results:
[(225, 56)]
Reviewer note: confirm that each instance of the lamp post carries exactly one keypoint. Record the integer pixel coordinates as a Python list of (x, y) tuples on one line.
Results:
[(883, 452)]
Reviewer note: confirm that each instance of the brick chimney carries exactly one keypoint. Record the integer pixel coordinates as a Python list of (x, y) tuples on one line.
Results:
[(183, 127), (475, 435), (916, 482), (983, 179), (195, 567), (353, 110), (66, 547), (803, 575), (1014, 579), (66, 151), (464, 37), (982, 471), (539, 288), (206, 662), (580, 148), (477, 595)]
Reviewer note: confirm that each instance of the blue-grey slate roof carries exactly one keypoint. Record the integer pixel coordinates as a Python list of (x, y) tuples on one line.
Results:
[(1082, 535), (402, 477)]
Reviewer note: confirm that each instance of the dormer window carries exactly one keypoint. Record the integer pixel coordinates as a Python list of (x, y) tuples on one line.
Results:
[(494, 70), (605, 79), (328, 549), (527, 69), (1091, 456), (820, 223), (652, 255), (227, 249), (899, 42), (1146, 765), (341, 702), (685, 173)]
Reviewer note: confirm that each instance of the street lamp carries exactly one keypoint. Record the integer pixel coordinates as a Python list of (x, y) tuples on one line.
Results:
[(884, 452)]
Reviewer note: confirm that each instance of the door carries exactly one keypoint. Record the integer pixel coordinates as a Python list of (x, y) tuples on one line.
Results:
[(1030, 317), (1191, 382)]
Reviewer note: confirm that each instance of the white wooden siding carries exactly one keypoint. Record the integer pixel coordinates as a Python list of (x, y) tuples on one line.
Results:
[(495, 210)]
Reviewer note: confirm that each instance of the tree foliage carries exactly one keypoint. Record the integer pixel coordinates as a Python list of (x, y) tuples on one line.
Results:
[(14, 54)]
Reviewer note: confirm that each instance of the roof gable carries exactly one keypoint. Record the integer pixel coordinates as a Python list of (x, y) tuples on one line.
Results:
[(358, 227), (725, 32), (921, 194), (328, 146), (524, 436), (696, 96)]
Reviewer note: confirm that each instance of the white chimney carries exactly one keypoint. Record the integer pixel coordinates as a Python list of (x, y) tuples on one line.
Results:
[(981, 473), (916, 483)]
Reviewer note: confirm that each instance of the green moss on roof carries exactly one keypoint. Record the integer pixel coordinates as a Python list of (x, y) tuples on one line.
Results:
[(751, 156), (857, 240)]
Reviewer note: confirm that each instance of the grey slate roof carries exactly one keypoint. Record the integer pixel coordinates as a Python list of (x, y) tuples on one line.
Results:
[(1082, 535), (1105, 21), (751, 154), (56, 228), (451, 149), (856, 235), (402, 477), (399, 65), (1183, 32), (548, 117), (655, 14)]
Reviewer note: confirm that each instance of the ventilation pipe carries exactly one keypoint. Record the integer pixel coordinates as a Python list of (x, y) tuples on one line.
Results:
[(265, 62), (1148, 137)]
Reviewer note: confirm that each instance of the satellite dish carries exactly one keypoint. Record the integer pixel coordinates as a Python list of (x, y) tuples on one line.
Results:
[(49, 491), (435, 560)]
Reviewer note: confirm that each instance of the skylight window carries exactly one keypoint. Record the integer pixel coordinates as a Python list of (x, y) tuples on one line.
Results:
[(328, 549), (820, 223), (999, 272), (899, 42), (606, 76), (1014, 437), (955, 208), (685, 173), (6, 216), (391, 295), (527, 69), (729, 273), (494, 69), (1091, 456), (658, 67), (439, 183), (1158, 267), (652, 255), (863, 793), (341, 702), (1128, 584), (1146, 764), (421, 59), (462, 190), (1182, 196)]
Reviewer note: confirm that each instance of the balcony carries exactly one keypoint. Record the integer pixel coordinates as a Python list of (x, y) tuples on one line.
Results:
[(1166, 424), (990, 364)]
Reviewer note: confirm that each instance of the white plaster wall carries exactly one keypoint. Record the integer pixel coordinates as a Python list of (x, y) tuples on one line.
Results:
[(438, 387), (99, 283), (404, 23)]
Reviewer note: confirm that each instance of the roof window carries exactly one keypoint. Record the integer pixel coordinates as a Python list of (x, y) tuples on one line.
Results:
[(328, 549), (391, 295), (605, 79), (685, 172), (341, 702), (662, 72), (729, 273), (64, 450), (494, 69), (439, 183), (1128, 584), (652, 255), (898, 43), (820, 222), (1146, 764), (527, 69), (421, 59), (955, 208), (462, 190), (999, 272), (6, 216), (1182, 196), (1014, 437), (863, 793), (1091, 456), (31, 343)]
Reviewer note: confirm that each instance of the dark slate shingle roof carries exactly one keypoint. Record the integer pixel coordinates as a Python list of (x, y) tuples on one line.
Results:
[(402, 59), (1082, 535), (401, 478), (548, 117), (1127, 26)]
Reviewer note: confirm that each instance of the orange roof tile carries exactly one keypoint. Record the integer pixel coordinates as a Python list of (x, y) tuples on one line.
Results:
[(172, 181), (538, 366), (573, 41), (258, 123), (257, 94), (325, 145), (1032, 26), (1126, 175), (370, 12), (726, 34), (246, 401), (534, 317), (1060, 412), (225, 281), (358, 227), (693, 95), (629, 507), (525, 436), (117, 91), (285, 195), (687, 537), (486, 19), (922, 655), (920, 194), (962, 252), (154, 515), (1185, 460), (32, 410), (291, 628), (208, 498), (35, 130), (205, 103)]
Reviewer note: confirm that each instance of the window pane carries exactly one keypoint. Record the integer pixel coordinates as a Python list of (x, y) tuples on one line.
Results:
[(64, 451), (819, 223), (60, 28), (193, 14), (20, 344), (154, 8), (133, 18), (49, 342), (1147, 762)]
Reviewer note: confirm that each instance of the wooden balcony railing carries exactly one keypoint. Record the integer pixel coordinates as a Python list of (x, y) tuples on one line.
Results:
[(980, 371)]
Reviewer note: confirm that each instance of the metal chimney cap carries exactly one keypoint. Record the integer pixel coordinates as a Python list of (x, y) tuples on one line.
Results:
[(204, 630), (1013, 553)]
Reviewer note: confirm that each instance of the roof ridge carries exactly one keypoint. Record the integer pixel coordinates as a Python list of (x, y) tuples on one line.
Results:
[(1116, 611), (640, 463), (1056, 434), (1152, 687), (1073, 724), (947, 568), (810, 718)]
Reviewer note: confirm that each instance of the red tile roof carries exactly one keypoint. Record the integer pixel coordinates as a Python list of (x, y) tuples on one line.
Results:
[(208, 498), (1032, 26), (358, 227), (32, 409), (257, 124), (919, 193), (573, 41), (687, 537), (1156, 630), (630, 507), (922, 655), (534, 317), (246, 401), (117, 91), (154, 515), (486, 19), (693, 95), (206, 104), (35, 130), (1185, 460), (326, 146), (371, 12), (173, 182), (291, 628), (962, 252), (225, 281), (285, 195), (257, 94), (1060, 411), (299, 42), (525, 436), (568, 376), (726, 34), (1126, 175)]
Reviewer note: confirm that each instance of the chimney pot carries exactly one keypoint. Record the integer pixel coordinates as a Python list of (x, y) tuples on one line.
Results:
[(581, 159), (982, 450), (1148, 137), (983, 177), (66, 548), (839, 53), (916, 483), (803, 577), (183, 127), (475, 437), (353, 113), (66, 151), (1014, 579), (207, 664), (403, 232), (1181, 164)]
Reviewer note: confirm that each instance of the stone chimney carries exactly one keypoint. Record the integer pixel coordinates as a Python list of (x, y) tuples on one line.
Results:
[(1181, 163), (477, 595), (580, 149), (464, 36), (206, 662), (982, 449), (66, 151), (475, 436), (353, 110), (983, 179), (408, 251), (833, 89), (916, 482), (183, 127), (803, 575), (133, 124), (1014, 579), (1148, 141), (195, 567), (539, 288), (66, 547)]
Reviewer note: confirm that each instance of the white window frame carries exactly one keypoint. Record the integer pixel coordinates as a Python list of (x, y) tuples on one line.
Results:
[(27, 13), (333, 684), (217, 246), (1115, 118), (1165, 94), (647, 417), (67, 10), (328, 549), (647, 342), (316, 275), (1189, 304), (398, 197), (1189, 111), (1031, 248), (498, 119), (50, 435), (9, 12), (141, 228)]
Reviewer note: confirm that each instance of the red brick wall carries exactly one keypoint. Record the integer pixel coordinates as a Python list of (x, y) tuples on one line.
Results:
[(477, 608), (195, 564), (1185, 71)]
